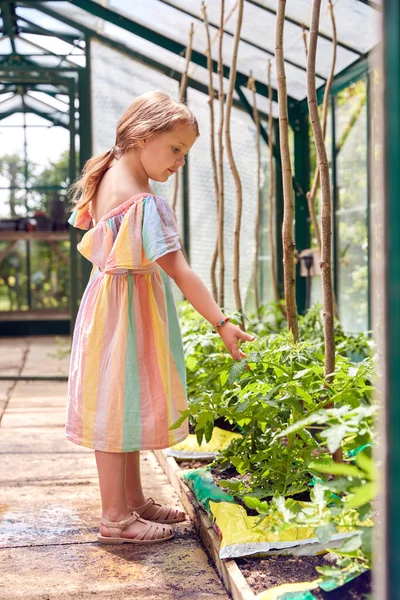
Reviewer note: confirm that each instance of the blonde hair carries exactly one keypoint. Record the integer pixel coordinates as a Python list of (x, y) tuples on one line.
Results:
[(149, 114)]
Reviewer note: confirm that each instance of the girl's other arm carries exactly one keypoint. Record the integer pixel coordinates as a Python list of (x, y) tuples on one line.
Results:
[(195, 291)]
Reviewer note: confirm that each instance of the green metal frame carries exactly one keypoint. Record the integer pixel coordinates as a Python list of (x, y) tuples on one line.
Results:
[(302, 216), (388, 565)]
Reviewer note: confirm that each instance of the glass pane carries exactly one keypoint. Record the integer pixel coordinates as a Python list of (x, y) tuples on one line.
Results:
[(42, 20), (5, 96), (49, 43), (49, 100), (13, 277), (45, 109), (203, 207), (14, 102), (358, 24), (351, 143), (5, 46), (50, 274), (24, 47)]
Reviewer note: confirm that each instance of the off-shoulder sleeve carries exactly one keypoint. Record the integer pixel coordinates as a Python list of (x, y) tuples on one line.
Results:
[(159, 228), (81, 217)]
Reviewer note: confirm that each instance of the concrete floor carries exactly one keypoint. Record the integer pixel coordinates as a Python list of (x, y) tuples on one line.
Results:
[(50, 507)]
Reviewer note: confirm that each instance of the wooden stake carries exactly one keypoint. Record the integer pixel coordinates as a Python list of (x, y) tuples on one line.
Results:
[(221, 200), (232, 164), (323, 166), (288, 215), (325, 105)]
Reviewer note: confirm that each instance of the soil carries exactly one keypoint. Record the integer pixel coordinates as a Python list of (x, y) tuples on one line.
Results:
[(192, 464), (262, 574), (265, 573)]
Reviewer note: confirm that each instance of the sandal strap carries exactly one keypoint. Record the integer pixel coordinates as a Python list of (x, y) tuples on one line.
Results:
[(164, 512), (116, 527)]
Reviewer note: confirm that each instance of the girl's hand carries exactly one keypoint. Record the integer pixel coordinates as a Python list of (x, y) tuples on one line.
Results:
[(231, 334)]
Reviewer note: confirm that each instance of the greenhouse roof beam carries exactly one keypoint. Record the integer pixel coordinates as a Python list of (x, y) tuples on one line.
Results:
[(242, 39), (28, 109), (161, 40), (301, 25), (372, 4), (39, 30), (351, 74), (47, 52), (12, 87), (9, 25), (150, 62)]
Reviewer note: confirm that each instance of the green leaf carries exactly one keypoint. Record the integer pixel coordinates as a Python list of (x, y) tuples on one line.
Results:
[(362, 495), (367, 464), (191, 363), (319, 416), (199, 435), (334, 436), (334, 468), (367, 539), (203, 418), (208, 430), (303, 373), (351, 544), (236, 370), (181, 419), (255, 503), (326, 532), (223, 377)]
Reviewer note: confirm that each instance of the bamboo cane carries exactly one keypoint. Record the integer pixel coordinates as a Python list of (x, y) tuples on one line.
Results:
[(232, 164), (221, 200), (182, 90), (323, 166), (212, 146), (288, 215), (325, 105)]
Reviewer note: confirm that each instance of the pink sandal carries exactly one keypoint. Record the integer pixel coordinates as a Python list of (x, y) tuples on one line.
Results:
[(164, 514), (152, 534)]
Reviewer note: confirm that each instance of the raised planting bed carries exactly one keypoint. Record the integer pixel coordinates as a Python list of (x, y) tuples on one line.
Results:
[(254, 578)]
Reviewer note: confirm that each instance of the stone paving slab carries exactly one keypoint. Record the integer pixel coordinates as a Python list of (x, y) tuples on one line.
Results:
[(36, 394), (47, 356), (50, 508), (11, 355), (176, 570)]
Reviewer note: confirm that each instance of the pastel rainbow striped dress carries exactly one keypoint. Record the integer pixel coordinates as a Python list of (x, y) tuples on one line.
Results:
[(127, 378)]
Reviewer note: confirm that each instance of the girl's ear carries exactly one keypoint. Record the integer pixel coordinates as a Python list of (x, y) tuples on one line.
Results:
[(141, 143)]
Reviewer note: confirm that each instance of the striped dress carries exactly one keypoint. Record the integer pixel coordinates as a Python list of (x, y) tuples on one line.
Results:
[(127, 378)]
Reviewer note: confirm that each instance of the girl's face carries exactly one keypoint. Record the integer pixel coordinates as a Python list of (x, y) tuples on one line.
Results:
[(163, 154)]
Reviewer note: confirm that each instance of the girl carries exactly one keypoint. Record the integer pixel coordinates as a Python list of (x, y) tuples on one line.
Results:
[(127, 381)]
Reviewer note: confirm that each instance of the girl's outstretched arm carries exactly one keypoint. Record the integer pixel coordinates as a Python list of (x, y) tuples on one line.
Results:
[(195, 291)]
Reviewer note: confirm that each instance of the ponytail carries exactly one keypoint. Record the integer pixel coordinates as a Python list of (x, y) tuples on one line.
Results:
[(84, 189)]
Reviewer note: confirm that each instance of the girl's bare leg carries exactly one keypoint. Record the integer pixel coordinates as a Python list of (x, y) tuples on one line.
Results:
[(134, 491), (111, 468), (135, 497)]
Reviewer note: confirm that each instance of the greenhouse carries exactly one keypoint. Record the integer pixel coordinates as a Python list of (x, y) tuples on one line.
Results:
[(285, 209)]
